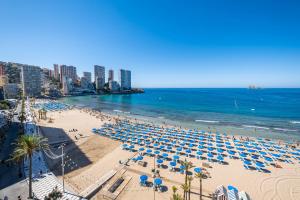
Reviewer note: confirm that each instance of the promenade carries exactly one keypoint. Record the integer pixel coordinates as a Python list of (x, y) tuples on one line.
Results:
[(43, 180)]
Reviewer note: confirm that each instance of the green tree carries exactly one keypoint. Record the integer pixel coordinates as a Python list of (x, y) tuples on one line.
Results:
[(190, 178), (26, 145), (187, 166), (200, 176), (54, 195), (175, 195)]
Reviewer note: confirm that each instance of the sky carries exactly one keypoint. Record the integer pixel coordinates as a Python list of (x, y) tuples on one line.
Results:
[(165, 43)]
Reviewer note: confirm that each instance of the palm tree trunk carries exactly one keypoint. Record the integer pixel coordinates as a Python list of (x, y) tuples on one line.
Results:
[(30, 176), (201, 188)]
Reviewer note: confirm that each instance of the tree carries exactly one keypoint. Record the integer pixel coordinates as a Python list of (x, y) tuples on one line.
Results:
[(54, 195), (175, 195), (190, 178), (187, 166), (26, 145), (200, 175), (185, 188)]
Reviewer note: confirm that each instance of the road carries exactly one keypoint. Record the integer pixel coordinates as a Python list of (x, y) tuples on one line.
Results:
[(11, 185)]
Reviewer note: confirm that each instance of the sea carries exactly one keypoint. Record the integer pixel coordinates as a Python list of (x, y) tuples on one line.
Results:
[(267, 113)]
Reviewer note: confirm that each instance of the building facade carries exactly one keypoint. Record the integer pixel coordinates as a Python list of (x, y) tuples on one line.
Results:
[(68, 71), (11, 91), (113, 86), (3, 80), (2, 69), (87, 76), (99, 76), (125, 79), (31, 80), (99, 71), (56, 71), (110, 75)]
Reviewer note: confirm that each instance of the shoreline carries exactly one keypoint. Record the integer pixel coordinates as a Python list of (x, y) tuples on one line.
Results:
[(239, 125), (96, 155)]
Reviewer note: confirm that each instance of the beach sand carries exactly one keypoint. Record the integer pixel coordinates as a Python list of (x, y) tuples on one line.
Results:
[(96, 155)]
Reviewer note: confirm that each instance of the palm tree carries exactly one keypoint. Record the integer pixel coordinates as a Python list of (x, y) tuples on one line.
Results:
[(26, 145), (190, 178), (187, 166), (175, 196), (200, 175), (185, 188)]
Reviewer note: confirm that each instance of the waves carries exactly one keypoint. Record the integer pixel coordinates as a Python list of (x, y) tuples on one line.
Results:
[(206, 121), (295, 122), (256, 127)]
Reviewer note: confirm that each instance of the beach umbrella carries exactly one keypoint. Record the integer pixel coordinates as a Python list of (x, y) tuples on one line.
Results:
[(230, 187), (210, 155), (157, 181), (199, 153), (169, 148), (220, 158), (197, 170), (148, 151), (172, 164), (140, 158), (268, 159), (244, 155), (220, 150), (247, 162), (175, 157), (210, 148), (259, 164), (276, 155), (143, 178), (156, 152), (254, 156), (159, 161), (165, 155), (229, 147), (263, 153), (141, 149)]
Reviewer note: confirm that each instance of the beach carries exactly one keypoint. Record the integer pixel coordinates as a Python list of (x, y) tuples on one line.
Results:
[(93, 156)]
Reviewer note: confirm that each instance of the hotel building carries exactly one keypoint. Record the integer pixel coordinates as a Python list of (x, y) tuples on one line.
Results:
[(56, 71), (68, 71), (87, 76), (99, 76), (31, 80), (125, 79), (110, 75)]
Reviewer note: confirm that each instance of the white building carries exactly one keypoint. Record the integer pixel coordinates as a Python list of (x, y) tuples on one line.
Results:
[(31, 80), (67, 86), (11, 91), (113, 86), (125, 79), (99, 76), (87, 76)]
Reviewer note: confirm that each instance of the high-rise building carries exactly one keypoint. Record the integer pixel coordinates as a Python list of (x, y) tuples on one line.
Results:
[(31, 80), (56, 72), (68, 71), (13, 72), (2, 69), (67, 86), (3, 80), (110, 75), (87, 76), (125, 79), (99, 76), (99, 71), (113, 86), (11, 91)]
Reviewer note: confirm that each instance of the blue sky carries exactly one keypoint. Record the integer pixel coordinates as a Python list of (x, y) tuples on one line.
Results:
[(166, 43)]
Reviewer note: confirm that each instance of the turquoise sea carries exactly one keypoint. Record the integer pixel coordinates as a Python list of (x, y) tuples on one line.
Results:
[(269, 113)]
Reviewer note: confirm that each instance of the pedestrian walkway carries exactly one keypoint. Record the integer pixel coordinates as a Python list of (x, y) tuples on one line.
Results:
[(44, 181)]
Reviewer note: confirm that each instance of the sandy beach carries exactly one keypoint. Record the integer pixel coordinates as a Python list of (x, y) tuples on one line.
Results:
[(91, 156)]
